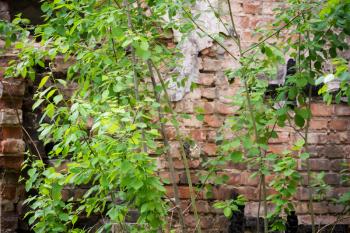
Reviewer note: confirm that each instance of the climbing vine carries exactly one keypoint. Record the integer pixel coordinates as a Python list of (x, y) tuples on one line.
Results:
[(105, 135)]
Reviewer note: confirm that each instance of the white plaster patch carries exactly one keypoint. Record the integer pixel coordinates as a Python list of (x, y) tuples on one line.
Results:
[(191, 45)]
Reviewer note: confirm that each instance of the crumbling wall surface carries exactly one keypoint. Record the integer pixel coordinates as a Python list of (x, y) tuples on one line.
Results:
[(11, 143), (329, 135), (205, 64), (12, 149)]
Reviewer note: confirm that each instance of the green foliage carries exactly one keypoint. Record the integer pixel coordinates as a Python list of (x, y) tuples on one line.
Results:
[(230, 206), (101, 131), (314, 34), (104, 134)]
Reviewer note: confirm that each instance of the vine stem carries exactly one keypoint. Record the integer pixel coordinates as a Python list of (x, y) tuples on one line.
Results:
[(167, 147), (310, 188), (134, 63), (334, 223), (263, 178), (242, 53), (182, 150)]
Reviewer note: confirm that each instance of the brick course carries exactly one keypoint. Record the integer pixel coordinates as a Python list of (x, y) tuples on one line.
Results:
[(329, 138)]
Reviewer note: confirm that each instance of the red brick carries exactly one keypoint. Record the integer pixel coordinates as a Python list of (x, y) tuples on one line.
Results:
[(209, 149), (332, 179), (8, 192), (319, 219), (183, 178), (11, 162), (208, 107), (239, 166), (208, 93), (192, 122), (302, 194), (223, 192), (12, 87), (339, 164), (205, 222), (333, 151), (342, 110), (164, 175), (79, 193), (234, 179), (203, 206), (213, 121), (12, 146), (318, 207), (225, 109), (206, 79), (251, 209), (335, 208), (250, 193), (184, 192), (335, 138), (174, 149), (212, 134), (339, 124), (243, 22), (66, 194), (178, 164), (283, 137), (15, 103), (4, 59), (184, 106), (315, 164), (10, 132), (301, 208), (277, 149), (211, 64), (247, 179), (317, 138), (321, 109), (318, 124), (226, 94), (250, 7), (198, 134), (337, 192), (170, 133)]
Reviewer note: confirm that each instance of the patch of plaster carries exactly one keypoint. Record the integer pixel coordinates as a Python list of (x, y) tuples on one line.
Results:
[(191, 45)]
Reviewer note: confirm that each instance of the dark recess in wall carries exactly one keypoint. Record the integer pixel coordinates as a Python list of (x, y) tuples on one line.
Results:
[(30, 9)]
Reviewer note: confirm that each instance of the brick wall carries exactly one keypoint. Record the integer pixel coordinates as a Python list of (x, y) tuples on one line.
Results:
[(12, 149), (329, 137), (329, 147)]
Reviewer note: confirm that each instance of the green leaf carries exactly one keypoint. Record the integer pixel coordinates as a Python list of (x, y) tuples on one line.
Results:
[(43, 81), (37, 103), (304, 156), (228, 212), (236, 156), (50, 110), (200, 117), (299, 121)]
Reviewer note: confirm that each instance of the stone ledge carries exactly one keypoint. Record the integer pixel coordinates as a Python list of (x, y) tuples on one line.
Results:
[(10, 117), (12, 87), (11, 161)]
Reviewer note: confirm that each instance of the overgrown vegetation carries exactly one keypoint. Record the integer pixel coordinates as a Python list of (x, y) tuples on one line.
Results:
[(105, 135)]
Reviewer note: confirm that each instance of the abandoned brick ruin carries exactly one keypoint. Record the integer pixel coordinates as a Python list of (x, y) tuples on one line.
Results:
[(329, 136)]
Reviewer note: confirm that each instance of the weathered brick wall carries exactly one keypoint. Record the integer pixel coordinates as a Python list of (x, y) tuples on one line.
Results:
[(12, 149), (329, 137)]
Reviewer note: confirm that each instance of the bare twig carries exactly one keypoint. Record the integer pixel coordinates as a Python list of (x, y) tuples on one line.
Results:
[(134, 63), (334, 223), (167, 148), (182, 150)]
